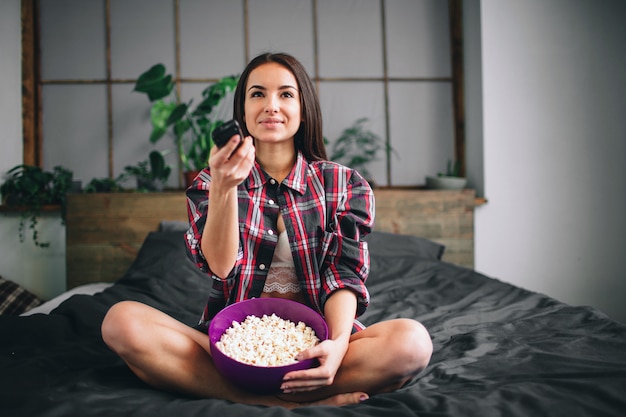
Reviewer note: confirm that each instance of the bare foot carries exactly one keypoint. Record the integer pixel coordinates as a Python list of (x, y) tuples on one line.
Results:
[(336, 400), (343, 399)]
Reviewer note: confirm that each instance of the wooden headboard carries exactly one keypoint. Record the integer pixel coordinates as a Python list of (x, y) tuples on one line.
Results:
[(105, 231)]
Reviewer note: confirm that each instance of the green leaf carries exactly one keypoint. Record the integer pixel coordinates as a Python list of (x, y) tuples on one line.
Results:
[(214, 94), (157, 134), (161, 89), (203, 123), (155, 83), (205, 107), (157, 165), (180, 128), (156, 72), (177, 113), (159, 114)]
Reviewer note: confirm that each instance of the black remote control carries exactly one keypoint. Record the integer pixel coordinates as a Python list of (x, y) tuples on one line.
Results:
[(224, 132)]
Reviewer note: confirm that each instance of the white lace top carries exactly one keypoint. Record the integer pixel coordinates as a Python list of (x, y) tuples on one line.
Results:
[(281, 277)]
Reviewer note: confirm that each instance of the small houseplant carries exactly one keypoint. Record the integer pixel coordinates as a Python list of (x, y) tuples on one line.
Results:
[(30, 188), (356, 147), (190, 127), (103, 185), (151, 174), (451, 179)]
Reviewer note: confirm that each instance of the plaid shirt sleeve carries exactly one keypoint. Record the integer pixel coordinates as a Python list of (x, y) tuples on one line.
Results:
[(346, 263), (197, 208)]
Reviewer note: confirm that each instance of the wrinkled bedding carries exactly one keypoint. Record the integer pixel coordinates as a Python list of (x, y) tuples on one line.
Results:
[(498, 349)]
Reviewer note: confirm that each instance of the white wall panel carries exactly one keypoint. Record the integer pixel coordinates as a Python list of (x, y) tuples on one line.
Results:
[(345, 102), (421, 131), (142, 34), (131, 133), (10, 99), (418, 42), (350, 38), (75, 129), (211, 38), (282, 26), (72, 39)]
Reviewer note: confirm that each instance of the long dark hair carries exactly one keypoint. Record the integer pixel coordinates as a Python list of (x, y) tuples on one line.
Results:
[(309, 138)]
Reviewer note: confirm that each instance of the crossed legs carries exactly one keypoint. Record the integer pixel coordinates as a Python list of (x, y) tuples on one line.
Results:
[(172, 356)]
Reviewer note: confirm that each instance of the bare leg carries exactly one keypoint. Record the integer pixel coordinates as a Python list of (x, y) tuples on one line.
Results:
[(171, 356), (381, 358)]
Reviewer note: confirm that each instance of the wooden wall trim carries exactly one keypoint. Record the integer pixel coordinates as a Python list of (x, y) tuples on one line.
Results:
[(455, 9), (31, 109)]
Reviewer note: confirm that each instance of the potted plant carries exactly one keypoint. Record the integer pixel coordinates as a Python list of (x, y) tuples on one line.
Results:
[(151, 175), (30, 188), (103, 185), (451, 179), (357, 147), (190, 127)]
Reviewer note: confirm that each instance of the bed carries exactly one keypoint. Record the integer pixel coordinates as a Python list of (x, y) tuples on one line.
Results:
[(499, 350)]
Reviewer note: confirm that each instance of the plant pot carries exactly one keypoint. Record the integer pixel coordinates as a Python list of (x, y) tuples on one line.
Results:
[(149, 185), (446, 183), (189, 177), (11, 200)]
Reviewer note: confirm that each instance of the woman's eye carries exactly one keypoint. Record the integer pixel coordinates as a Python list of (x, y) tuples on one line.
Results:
[(287, 94), (256, 94)]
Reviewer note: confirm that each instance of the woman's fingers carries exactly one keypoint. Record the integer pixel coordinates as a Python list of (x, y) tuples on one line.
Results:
[(232, 163)]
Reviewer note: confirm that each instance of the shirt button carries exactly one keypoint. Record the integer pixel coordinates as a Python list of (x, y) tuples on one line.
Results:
[(273, 181), (270, 232), (262, 267), (271, 202)]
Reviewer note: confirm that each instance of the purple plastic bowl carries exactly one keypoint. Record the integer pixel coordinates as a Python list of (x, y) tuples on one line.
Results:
[(261, 379)]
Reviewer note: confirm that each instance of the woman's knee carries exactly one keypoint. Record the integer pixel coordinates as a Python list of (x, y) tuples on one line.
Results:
[(413, 344), (120, 327), (405, 350)]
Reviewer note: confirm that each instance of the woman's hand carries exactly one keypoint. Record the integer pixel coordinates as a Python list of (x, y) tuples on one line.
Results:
[(339, 312), (330, 354), (231, 164)]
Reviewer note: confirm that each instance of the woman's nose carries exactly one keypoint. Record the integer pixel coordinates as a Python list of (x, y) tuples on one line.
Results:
[(271, 106)]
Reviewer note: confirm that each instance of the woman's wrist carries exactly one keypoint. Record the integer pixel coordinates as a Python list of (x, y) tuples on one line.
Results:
[(339, 312), (220, 191)]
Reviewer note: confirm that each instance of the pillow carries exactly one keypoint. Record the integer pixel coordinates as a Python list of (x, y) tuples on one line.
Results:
[(15, 299), (87, 289), (394, 244), (173, 226)]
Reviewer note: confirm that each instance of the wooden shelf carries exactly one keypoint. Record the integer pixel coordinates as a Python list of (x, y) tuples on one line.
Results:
[(478, 201), (19, 209)]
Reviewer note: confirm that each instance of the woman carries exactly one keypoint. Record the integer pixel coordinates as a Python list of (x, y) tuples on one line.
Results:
[(272, 218)]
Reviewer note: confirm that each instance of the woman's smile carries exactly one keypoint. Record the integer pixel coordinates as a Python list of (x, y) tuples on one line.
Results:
[(271, 123)]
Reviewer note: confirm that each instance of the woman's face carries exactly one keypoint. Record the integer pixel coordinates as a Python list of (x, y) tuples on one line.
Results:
[(272, 109)]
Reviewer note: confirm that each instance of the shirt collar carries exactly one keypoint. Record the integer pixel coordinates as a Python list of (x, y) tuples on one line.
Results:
[(296, 179)]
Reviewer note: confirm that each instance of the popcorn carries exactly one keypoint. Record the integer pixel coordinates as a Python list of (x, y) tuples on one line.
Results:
[(266, 341)]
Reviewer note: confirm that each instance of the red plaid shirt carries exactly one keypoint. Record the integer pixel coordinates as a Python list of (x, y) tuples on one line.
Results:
[(327, 209)]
